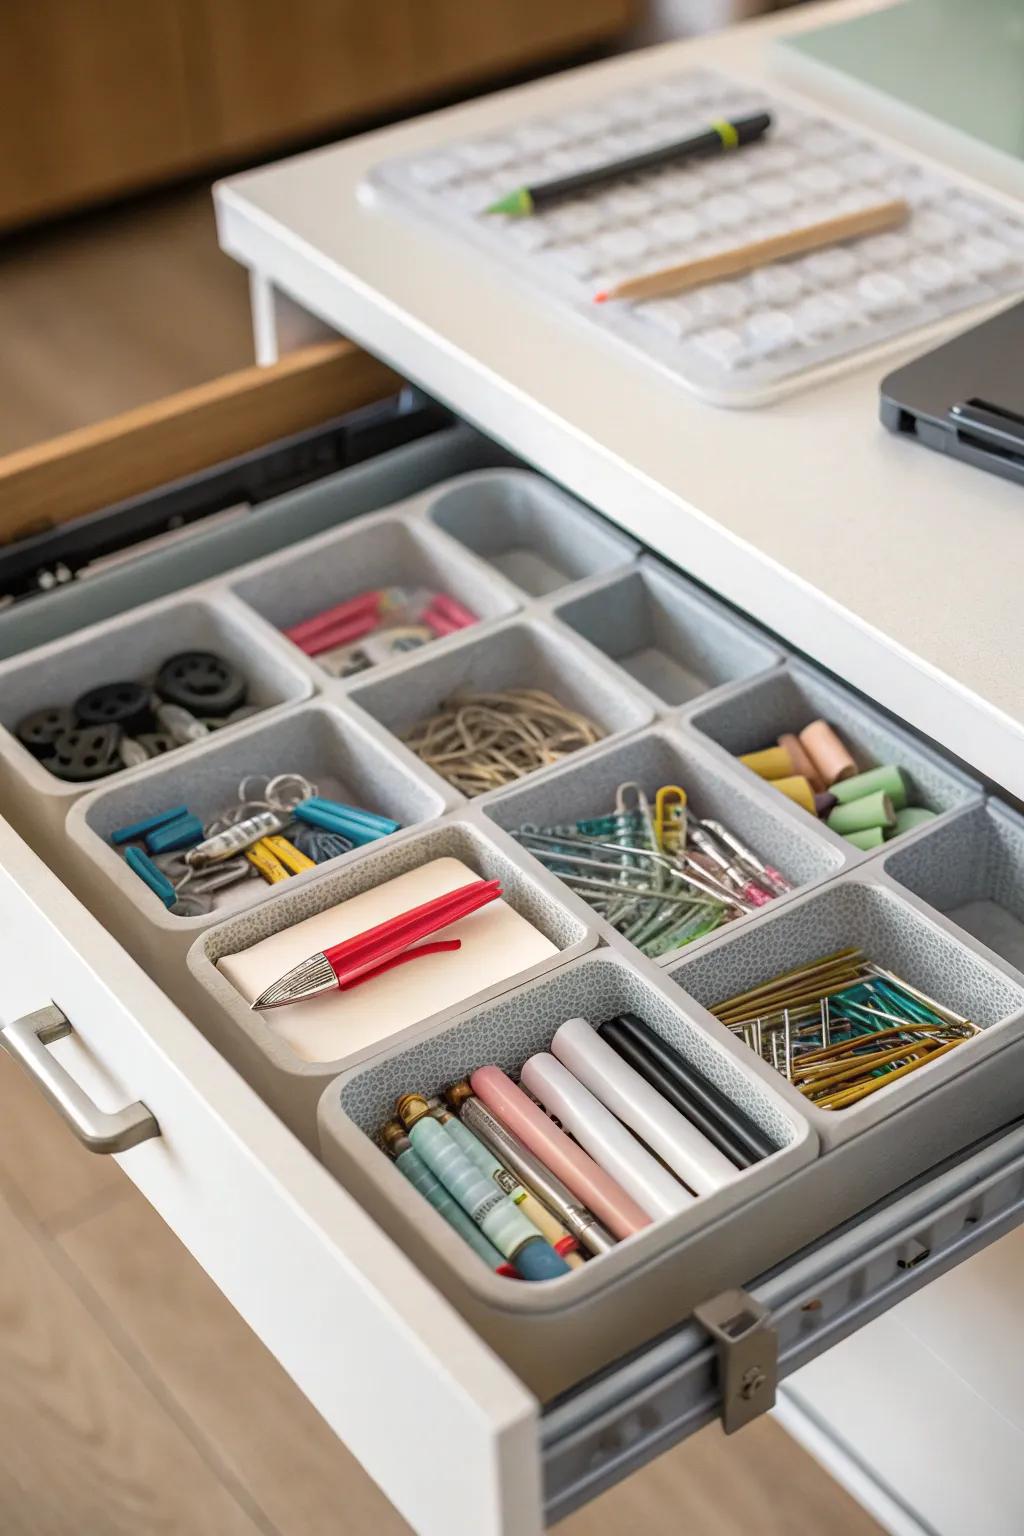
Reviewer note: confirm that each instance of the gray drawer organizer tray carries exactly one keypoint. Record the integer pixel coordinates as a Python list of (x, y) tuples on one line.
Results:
[(838, 1231)]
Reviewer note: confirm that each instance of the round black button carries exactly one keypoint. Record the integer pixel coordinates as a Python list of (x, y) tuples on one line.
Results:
[(201, 682), (87, 752), (40, 730), (124, 704)]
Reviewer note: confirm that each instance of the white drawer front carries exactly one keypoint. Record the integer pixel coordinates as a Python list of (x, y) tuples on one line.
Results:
[(444, 1428)]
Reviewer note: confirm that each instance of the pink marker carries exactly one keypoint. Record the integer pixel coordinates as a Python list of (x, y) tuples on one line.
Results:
[(599, 1192)]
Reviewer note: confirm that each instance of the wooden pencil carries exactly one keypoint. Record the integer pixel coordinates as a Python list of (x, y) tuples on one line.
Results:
[(758, 253)]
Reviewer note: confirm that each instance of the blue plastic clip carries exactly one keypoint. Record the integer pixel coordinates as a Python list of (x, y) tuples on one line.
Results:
[(155, 878), (140, 828), (339, 819), (184, 832)]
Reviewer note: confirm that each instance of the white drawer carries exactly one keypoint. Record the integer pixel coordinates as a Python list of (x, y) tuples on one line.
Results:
[(420, 1400)]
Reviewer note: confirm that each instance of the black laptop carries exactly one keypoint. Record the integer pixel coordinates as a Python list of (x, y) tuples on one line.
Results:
[(967, 397)]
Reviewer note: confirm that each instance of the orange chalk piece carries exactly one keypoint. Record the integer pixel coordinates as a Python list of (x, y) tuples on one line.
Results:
[(827, 752)]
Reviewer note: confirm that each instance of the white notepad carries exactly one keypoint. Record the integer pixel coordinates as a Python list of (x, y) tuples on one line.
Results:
[(497, 943)]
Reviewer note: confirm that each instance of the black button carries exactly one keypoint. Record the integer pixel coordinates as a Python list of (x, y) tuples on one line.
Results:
[(87, 752), (40, 730), (201, 682), (124, 704)]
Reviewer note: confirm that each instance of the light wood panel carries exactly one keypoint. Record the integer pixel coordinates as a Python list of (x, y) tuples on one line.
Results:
[(95, 100), (243, 1404), (85, 1448), (157, 443)]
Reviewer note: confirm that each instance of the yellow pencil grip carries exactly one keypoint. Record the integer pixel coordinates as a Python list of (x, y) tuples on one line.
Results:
[(267, 862), (291, 857)]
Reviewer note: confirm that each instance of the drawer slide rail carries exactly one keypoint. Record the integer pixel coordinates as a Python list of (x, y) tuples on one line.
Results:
[(595, 1436)]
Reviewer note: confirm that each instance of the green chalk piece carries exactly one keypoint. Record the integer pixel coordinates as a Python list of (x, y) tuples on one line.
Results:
[(866, 839), (888, 779), (910, 817), (859, 815)]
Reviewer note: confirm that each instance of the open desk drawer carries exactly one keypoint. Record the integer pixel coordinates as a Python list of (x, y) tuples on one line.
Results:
[(407, 1384)]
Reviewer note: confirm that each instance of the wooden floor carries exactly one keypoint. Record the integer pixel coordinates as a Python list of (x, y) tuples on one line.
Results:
[(133, 1400)]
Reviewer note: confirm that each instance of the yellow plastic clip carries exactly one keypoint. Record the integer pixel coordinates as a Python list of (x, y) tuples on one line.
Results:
[(267, 862), (293, 859), (670, 818)]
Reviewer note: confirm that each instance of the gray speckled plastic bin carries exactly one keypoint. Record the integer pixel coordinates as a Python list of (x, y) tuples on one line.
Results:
[(538, 538), (391, 548), (556, 1330), (670, 637), (524, 653), (317, 739), (132, 645), (750, 717), (972, 869), (764, 819), (897, 931), (290, 1085)]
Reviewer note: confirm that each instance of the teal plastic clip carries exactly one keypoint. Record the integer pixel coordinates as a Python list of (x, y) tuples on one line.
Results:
[(155, 878)]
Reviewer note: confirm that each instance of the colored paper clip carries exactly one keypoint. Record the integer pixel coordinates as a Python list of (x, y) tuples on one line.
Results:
[(263, 859), (379, 949), (670, 818), (294, 860), (155, 878), (357, 826), (139, 829), (183, 832)]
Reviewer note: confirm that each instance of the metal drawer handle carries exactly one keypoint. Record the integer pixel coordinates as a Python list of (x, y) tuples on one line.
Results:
[(26, 1039)]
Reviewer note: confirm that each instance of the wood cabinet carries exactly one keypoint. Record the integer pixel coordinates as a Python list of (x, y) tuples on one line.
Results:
[(102, 97)]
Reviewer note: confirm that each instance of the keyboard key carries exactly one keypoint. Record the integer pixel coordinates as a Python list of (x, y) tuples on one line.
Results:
[(722, 346), (881, 292), (624, 244), (718, 301), (727, 211), (864, 165), (776, 284), (776, 196), (884, 250), (832, 266), (819, 179), (675, 228), (932, 274), (822, 315), (770, 330), (984, 257)]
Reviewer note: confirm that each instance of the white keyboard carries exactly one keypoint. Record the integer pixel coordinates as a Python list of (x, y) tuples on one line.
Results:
[(745, 340)]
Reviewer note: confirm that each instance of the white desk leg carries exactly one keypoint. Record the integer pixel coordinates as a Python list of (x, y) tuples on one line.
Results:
[(279, 325)]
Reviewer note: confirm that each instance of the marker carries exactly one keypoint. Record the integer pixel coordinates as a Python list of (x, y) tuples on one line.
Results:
[(714, 140)]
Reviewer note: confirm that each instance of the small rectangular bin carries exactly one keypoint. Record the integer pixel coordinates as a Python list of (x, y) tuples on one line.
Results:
[(536, 536), (765, 822), (290, 1084), (863, 909), (670, 637), (556, 1332), (972, 869), (754, 715), (519, 655), (390, 549), (130, 646), (340, 758)]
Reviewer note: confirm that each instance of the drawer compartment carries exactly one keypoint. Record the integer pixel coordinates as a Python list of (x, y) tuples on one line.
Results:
[(375, 553), (671, 638), (555, 1332), (519, 655), (292, 1086), (905, 937), (972, 869), (528, 530), (777, 831), (320, 741), (755, 715), (132, 647)]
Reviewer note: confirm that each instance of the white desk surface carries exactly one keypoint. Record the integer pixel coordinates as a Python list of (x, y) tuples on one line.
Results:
[(899, 570)]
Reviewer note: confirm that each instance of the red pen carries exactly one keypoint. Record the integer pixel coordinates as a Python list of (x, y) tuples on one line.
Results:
[(379, 949)]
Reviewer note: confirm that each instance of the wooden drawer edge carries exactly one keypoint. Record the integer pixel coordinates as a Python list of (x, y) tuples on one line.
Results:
[(154, 444)]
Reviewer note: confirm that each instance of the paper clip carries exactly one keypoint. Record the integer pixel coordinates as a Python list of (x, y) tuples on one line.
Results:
[(670, 818)]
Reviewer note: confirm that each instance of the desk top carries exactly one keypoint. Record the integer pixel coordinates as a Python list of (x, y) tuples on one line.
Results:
[(897, 569)]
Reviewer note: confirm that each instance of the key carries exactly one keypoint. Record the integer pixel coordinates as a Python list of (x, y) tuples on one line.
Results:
[(780, 284), (721, 345), (770, 330)]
